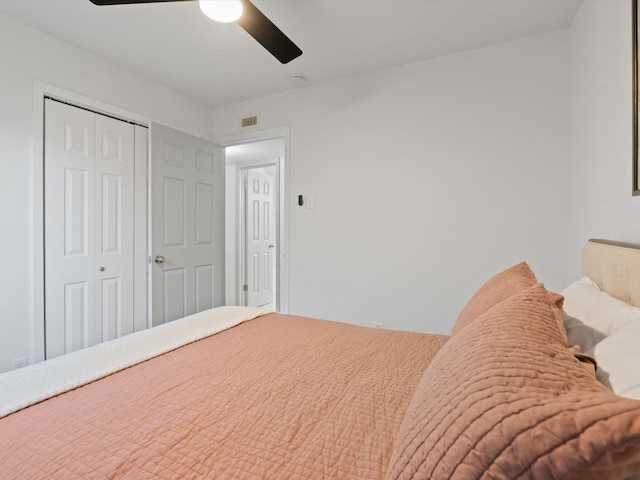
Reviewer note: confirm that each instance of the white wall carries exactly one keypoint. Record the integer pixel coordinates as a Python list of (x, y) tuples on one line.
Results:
[(27, 56), (601, 128), (427, 179)]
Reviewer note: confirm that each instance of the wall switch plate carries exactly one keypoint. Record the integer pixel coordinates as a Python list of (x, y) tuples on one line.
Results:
[(309, 201)]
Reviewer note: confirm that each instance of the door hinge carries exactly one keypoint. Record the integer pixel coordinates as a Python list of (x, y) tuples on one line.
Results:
[(245, 288)]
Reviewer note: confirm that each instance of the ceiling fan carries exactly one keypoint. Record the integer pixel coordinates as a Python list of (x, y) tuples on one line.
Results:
[(252, 20)]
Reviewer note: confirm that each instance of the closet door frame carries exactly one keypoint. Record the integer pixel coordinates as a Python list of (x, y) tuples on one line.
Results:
[(40, 91)]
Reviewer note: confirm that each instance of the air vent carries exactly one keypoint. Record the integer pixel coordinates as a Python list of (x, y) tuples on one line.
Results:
[(249, 121)]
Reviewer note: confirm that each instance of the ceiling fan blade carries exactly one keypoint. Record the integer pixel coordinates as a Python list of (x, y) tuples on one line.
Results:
[(256, 24), (253, 21), (130, 2)]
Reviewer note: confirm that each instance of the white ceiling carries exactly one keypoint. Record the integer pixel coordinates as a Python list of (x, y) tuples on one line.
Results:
[(176, 45)]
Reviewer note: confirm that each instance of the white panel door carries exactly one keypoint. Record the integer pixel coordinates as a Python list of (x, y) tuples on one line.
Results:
[(114, 179), (69, 171), (260, 239), (187, 233), (88, 204)]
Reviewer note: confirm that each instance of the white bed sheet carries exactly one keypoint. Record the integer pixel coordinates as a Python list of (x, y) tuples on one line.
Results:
[(35, 383)]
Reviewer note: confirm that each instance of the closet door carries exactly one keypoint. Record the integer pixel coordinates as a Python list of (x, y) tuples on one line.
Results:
[(113, 224), (88, 208)]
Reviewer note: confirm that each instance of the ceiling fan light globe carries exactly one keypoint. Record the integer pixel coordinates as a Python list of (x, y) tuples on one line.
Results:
[(222, 10)]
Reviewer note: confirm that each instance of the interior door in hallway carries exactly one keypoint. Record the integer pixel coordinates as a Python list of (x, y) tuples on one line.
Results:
[(260, 238), (89, 234), (187, 233)]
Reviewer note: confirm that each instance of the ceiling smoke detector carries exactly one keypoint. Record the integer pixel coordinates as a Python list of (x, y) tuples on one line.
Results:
[(298, 79)]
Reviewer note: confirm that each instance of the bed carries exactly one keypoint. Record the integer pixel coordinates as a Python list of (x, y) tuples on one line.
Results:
[(235, 393)]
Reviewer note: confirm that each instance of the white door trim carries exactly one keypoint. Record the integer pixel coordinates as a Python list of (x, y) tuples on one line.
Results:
[(233, 238), (40, 90)]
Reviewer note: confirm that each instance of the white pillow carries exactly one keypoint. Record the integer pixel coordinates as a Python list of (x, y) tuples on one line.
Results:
[(590, 315), (618, 358), (608, 330), (581, 334)]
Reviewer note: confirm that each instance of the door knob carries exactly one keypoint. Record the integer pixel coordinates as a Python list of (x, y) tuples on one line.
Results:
[(160, 259), (271, 246), (102, 269)]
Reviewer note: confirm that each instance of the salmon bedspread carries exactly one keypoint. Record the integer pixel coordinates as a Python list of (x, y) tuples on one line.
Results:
[(275, 397)]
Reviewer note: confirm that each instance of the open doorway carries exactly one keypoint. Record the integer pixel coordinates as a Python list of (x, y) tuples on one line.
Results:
[(254, 219)]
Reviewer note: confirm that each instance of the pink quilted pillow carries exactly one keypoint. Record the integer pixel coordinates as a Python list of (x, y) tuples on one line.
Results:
[(506, 399), (498, 288)]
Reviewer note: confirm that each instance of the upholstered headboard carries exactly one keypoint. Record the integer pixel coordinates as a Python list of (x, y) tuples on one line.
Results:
[(615, 267)]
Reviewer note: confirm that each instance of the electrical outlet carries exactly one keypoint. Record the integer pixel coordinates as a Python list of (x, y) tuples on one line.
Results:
[(19, 362), (378, 324)]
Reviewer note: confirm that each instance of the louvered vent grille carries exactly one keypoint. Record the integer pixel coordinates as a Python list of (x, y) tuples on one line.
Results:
[(248, 122)]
